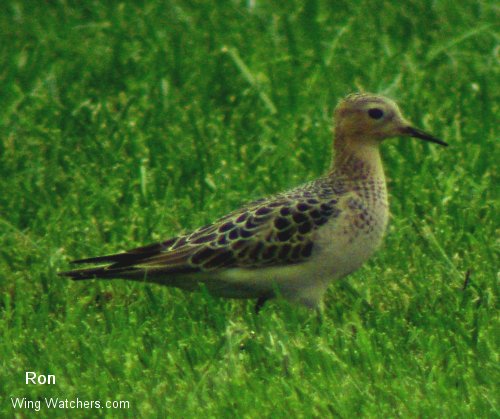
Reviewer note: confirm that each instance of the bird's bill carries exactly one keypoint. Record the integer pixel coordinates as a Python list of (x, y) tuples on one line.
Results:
[(418, 133)]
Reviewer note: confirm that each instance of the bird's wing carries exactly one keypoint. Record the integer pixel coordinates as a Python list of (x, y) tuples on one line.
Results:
[(268, 232)]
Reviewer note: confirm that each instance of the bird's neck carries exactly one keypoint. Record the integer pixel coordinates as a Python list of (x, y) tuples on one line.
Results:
[(357, 159)]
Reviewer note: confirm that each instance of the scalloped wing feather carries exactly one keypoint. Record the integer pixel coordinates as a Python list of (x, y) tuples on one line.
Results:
[(270, 232)]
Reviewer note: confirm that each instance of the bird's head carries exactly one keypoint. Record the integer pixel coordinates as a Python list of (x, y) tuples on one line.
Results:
[(373, 118)]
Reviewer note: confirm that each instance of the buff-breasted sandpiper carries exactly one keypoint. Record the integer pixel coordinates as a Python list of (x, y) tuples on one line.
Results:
[(294, 243)]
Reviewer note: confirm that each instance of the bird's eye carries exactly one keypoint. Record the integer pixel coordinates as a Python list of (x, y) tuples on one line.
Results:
[(375, 113)]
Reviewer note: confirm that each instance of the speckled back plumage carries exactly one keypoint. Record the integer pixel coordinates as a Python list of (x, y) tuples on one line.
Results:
[(272, 231)]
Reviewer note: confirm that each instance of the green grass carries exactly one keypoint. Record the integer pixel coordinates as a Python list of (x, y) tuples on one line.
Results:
[(122, 124)]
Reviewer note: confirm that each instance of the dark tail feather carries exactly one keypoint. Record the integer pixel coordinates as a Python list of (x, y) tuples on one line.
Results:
[(118, 270), (99, 259), (92, 273), (125, 265), (129, 257)]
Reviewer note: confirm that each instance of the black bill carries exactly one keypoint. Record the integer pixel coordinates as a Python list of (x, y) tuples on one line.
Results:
[(415, 132)]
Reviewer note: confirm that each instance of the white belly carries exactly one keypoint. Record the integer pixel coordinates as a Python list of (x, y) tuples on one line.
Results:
[(345, 244), (340, 247)]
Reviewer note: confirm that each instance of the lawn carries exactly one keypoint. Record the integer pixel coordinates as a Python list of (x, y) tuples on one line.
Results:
[(124, 123)]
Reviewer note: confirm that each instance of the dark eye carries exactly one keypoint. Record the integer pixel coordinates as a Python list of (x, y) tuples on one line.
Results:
[(375, 113)]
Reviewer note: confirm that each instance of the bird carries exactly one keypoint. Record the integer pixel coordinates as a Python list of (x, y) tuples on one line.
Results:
[(292, 244)]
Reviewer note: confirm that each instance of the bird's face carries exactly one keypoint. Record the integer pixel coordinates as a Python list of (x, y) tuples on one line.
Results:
[(374, 118)]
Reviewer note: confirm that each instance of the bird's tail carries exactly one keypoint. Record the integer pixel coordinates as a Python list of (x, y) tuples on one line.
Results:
[(136, 264), (91, 273)]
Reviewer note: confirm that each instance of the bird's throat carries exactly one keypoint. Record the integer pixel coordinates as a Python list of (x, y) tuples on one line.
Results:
[(357, 160)]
